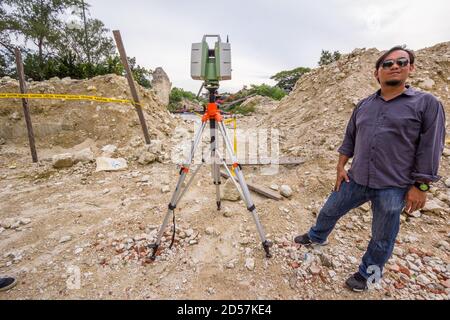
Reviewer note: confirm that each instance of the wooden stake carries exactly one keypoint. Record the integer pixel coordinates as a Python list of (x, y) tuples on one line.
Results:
[(26, 111), (123, 57)]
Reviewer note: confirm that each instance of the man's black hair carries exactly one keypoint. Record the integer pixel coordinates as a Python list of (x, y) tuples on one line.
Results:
[(411, 54)]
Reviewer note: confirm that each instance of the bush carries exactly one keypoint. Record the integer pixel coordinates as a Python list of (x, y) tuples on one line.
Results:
[(274, 92), (177, 95)]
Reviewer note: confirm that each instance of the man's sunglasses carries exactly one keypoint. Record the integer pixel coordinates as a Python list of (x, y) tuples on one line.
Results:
[(401, 62)]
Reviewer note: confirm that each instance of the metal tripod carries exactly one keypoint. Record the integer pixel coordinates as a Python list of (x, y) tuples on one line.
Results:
[(212, 114)]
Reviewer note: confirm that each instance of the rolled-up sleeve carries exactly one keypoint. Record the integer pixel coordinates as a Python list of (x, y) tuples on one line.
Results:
[(431, 143), (348, 145)]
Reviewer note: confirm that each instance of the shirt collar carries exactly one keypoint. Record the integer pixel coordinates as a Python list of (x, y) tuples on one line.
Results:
[(408, 92)]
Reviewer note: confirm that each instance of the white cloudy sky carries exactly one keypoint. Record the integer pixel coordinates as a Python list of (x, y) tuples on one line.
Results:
[(268, 36)]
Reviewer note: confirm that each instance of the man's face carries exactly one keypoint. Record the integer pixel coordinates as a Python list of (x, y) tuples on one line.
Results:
[(394, 75)]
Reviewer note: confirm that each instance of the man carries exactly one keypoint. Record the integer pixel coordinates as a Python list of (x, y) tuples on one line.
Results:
[(396, 137), (7, 283)]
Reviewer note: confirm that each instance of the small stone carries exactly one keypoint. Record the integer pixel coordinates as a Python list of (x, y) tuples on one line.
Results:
[(326, 261), (15, 116), (286, 191), (427, 84), (352, 259), (7, 223), (349, 226), (189, 232), (65, 239), (274, 187), (91, 88), (410, 239), (444, 245), (109, 149), (25, 221), (78, 250), (192, 242), (422, 279), (315, 270), (165, 189), (446, 283), (147, 158), (394, 268), (447, 181), (227, 213), (399, 251), (365, 207), (331, 273), (15, 225), (432, 207), (209, 231), (105, 191), (415, 214), (145, 178), (250, 263), (230, 265)]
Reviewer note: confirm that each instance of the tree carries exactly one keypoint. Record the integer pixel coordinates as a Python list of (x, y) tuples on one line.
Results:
[(327, 57), (6, 47), (39, 21), (287, 79)]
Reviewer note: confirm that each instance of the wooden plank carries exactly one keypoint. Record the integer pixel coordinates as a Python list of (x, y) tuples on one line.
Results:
[(134, 93), (269, 193), (267, 162), (26, 111)]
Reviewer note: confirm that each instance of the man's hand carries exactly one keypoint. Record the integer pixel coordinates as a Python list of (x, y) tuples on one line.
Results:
[(415, 200), (341, 175)]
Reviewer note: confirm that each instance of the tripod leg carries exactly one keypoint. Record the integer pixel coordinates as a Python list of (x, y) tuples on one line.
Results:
[(176, 195), (224, 163), (214, 164), (247, 197)]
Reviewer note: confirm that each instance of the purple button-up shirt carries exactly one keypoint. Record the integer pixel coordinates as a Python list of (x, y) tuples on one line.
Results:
[(397, 142)]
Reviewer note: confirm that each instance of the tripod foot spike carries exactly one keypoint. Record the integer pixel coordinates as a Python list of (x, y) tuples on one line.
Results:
[(218, 205), (266, 245), (154, 248)]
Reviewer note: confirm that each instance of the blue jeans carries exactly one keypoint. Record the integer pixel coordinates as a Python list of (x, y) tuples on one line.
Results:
[(387, 205)]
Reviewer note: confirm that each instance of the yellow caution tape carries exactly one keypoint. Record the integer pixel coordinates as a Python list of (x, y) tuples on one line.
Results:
[(63, 97)]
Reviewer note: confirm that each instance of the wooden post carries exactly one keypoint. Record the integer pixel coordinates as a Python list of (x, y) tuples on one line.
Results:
[(123, 57), (26, 111)]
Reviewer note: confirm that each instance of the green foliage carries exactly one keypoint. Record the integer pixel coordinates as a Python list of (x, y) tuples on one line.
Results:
[(176, 97), (140, 74), (274, 92), (287, 79), (96, 49), (326, 57), (3, 70), (79, 50), (244, 110)]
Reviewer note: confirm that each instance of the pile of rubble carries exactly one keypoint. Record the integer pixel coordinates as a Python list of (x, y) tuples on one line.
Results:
[(67, 123), (314, 115)]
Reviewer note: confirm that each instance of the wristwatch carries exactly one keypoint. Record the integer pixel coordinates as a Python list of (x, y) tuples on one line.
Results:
[(424, 187)]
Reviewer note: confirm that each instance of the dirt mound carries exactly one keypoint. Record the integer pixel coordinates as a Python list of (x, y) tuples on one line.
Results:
[(314, 116), (69, 123)]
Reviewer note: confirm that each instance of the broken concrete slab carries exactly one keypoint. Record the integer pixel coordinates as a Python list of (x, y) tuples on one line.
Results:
[(110, 164)]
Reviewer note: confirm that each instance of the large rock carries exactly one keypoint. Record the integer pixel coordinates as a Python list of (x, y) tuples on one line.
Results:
[(85, 155), (229, 191), (110, 164), (147, 157), (64, 160), (431, 206), (161, 85)]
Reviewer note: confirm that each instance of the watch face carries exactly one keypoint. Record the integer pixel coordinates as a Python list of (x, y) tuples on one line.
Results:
[(424, 187)]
